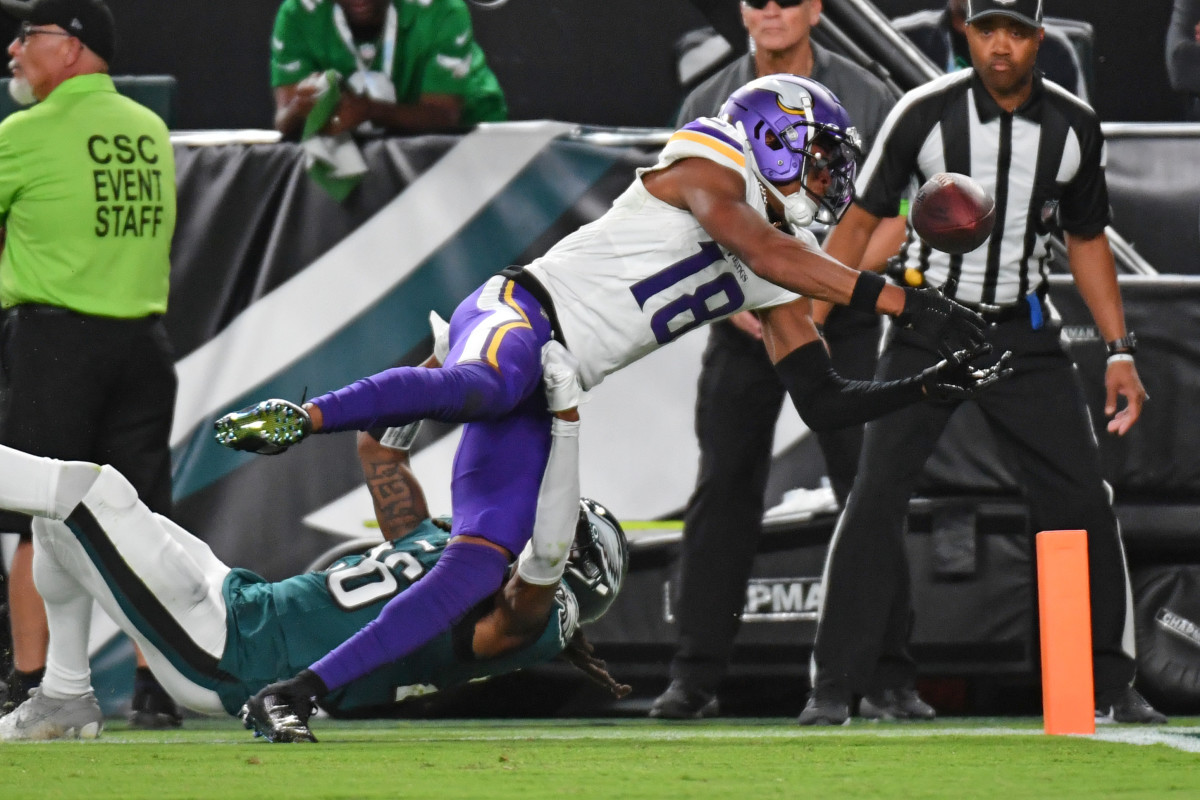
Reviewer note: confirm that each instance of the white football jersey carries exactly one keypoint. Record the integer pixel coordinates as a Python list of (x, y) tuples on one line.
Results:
[(646, 272)]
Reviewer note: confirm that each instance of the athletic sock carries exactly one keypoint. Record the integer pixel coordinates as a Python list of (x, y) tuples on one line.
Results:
[(69, 617)]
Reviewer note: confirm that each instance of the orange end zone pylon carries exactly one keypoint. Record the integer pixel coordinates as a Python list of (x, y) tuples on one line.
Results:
[(1065, 613)]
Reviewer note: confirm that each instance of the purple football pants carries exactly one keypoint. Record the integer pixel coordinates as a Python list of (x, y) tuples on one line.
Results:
[(492, 381)]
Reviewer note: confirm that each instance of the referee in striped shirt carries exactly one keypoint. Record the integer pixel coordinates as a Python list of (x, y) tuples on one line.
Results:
[(1039, 152)]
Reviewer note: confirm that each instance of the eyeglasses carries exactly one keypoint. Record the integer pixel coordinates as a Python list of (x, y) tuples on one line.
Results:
[(28, 30), (761, 4)]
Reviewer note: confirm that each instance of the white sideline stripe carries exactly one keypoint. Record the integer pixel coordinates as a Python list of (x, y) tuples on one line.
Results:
[(1186, 739), (319, 301), (1180, 738)]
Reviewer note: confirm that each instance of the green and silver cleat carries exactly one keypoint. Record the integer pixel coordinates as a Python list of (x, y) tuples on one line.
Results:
[(267, 428)]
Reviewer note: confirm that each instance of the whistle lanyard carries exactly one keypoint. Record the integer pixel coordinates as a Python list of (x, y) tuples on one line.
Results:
[(390, 26)]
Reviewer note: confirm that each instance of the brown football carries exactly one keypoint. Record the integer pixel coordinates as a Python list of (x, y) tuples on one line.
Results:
[(953, 213)]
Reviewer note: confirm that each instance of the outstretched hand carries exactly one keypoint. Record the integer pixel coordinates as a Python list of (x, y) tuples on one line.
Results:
[(953, 378), (949, 326), (280, 711)]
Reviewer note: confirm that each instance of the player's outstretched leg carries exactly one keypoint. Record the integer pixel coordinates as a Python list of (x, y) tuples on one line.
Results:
[(41, 718)]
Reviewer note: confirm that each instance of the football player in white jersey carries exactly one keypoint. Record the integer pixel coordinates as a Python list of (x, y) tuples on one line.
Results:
[(715, 227)]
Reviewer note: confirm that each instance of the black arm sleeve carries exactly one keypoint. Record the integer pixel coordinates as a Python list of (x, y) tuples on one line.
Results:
[(826, 400)]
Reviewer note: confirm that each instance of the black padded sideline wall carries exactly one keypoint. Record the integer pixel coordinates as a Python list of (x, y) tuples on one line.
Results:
[(1131, 75)]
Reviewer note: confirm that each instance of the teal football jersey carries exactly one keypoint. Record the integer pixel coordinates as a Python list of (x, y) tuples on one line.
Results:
[(277, 629)]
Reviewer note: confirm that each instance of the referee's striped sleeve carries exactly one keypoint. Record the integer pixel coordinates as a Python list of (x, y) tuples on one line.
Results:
[(889, 168)]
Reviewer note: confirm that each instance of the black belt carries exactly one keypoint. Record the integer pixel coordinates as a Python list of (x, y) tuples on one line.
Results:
[(998, 314), (38, 310), (44, 310), (526, 281)]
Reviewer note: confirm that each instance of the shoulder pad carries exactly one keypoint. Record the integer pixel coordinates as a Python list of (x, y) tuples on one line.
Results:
[(709, 138)]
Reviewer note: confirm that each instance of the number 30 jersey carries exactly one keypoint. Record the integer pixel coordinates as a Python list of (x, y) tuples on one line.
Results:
[(646, 272), (278, 629)]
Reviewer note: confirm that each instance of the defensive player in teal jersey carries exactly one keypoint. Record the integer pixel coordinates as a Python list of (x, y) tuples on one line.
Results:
[(215, 635)]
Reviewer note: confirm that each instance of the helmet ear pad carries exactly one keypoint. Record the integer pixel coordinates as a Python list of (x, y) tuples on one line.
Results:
[(783, 164)]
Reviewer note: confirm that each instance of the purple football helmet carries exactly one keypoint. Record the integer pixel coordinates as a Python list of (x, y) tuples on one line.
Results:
[(794, 124)]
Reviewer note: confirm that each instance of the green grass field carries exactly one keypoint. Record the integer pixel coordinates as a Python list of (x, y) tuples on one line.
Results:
[(620, 758)]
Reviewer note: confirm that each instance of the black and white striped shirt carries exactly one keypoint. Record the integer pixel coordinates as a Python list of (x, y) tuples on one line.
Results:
[(1048, 153)]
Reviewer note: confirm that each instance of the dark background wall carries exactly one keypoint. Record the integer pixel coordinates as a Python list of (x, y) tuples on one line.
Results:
[(1131, 74), (605, 62)]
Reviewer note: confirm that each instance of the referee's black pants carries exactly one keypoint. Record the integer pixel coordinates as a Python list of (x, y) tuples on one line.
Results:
[(738, 402), (1040, 419)]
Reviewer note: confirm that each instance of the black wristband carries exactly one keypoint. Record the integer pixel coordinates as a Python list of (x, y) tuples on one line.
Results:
[(1126, 344), (312, 683), (866, 291)]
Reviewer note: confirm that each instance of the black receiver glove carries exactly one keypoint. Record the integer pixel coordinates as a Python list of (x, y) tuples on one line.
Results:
[(826, 400), (953, 378), (280, 712), (947, 325)]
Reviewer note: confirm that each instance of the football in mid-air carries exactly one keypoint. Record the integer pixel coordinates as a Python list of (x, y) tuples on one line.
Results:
[(953, 213)]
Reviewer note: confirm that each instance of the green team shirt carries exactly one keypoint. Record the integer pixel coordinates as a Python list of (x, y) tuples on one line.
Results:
[(436, 53), (277, 629), (87, 195)]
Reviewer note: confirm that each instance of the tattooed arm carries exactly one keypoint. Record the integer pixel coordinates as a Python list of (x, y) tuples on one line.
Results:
[(397, 496)]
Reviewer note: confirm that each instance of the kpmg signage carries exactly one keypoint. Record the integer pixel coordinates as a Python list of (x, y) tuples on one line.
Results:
[(771, 600)]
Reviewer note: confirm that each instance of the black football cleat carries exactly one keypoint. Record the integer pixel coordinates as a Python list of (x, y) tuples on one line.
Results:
[(1127, 705), (152, 708), (684, 701), (895, 704), (826, 707)]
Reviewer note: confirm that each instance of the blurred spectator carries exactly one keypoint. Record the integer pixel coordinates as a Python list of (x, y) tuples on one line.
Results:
[(1183, 54), (941, 36), (403, 66)]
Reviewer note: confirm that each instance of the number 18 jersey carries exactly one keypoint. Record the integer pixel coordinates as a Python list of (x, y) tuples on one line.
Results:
[(646, 272)]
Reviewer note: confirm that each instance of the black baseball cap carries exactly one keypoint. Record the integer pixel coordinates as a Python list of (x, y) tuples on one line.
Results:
[(89, 21), (1028, 12)]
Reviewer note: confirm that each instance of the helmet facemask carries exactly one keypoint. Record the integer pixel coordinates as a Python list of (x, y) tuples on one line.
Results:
[(839, 157)]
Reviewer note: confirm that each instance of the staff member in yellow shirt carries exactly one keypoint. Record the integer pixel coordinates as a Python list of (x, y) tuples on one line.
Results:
[(87, 200)]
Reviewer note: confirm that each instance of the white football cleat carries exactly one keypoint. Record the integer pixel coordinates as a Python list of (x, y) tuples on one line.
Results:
[(42, 718)]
